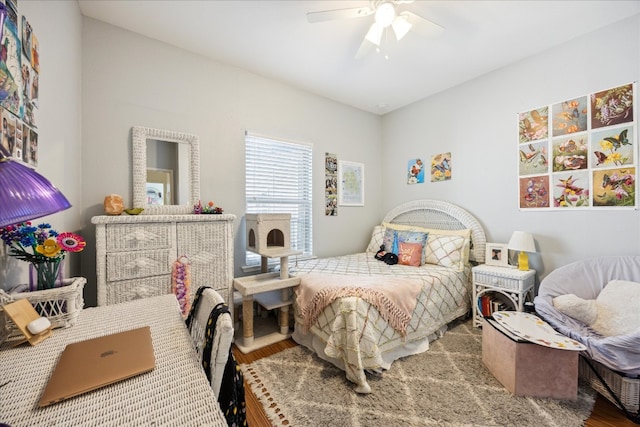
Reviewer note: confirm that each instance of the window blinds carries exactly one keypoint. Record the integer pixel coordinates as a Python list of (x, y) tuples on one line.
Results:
[(278, 178)]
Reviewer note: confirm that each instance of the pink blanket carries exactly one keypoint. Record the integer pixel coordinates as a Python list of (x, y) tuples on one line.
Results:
[(394, 297)]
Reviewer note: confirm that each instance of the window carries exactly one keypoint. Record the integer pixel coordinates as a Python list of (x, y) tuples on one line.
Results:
[(278, 180)]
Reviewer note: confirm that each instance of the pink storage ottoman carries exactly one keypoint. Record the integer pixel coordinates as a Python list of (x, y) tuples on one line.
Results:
[(528, 369)]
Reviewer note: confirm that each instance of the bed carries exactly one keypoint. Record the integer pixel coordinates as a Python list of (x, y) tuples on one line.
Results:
[(357, 334)]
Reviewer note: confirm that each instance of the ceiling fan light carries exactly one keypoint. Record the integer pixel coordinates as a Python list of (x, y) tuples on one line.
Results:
[(374, 35), (401, 26), (385, 14)]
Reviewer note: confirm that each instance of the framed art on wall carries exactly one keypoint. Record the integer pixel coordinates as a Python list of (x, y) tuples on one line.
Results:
[(497, 254), (415, 172), (441, 167), (331, 184), (581, 153), (351, 181)]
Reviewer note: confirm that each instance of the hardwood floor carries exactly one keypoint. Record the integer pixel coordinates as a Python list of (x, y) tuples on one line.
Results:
[(605, 413)]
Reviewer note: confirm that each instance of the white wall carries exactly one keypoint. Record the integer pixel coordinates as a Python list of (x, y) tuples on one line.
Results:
[(130, 80), (57, 24), (477, 123)]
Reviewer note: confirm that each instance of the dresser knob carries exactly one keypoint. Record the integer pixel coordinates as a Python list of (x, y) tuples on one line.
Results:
[(141, 263), (138, 235)]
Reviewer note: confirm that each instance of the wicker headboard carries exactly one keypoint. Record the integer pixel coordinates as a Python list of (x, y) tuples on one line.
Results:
[(441, 215)]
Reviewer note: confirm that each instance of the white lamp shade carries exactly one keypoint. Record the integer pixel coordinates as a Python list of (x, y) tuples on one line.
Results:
[(521, 241)]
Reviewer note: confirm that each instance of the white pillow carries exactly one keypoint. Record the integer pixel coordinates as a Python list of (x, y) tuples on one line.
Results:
[(618, 308), (583, 310), (376, 238), (447, 251)]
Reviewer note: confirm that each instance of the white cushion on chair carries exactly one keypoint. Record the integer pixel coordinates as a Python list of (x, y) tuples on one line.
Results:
[(616, 310), (584, 310)]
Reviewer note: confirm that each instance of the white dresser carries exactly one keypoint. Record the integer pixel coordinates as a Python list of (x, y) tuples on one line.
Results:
[(135, 254)]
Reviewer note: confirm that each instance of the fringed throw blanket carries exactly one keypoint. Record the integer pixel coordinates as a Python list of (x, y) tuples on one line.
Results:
[(395, 298)]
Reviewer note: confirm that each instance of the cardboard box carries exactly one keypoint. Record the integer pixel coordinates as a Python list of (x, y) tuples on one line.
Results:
[(528, 369)]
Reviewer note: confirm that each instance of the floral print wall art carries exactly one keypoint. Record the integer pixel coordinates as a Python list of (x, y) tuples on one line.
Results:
[(570, 117), (415, 172), (534, 125), (580, 153), (441, 167)]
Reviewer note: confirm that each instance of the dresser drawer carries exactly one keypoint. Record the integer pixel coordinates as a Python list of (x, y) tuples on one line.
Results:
[(504, 281), (129, 237), (127, 290), (205, 269), (130, 265), (207, 247)]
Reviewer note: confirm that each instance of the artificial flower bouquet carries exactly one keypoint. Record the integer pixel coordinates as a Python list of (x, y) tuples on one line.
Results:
[(209, 208), (43, 247)]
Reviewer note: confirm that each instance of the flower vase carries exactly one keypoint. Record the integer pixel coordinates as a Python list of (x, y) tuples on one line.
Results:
[(45, 274)]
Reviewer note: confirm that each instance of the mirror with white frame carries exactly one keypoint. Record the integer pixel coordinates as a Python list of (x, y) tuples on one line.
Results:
[(166, 171)]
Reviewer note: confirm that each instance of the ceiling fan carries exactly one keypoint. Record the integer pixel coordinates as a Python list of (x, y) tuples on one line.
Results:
[(386, 15)]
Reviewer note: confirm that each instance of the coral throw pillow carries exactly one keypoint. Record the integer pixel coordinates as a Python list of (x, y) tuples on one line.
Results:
[(410, 254)]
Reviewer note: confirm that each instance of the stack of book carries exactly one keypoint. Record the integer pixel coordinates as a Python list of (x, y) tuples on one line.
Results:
[(488, 304)]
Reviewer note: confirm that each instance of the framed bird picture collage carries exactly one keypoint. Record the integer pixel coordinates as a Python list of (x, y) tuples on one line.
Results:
[(580, 153)]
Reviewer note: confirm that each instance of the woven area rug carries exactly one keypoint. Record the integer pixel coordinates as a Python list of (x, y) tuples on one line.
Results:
[(445, 386)]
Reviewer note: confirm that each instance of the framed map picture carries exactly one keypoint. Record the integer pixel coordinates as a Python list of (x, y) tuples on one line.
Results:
[(351, 181)]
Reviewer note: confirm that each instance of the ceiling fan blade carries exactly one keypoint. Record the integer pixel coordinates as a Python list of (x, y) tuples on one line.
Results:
[(374, 35), (365, 49), (401, 26), (329, 15), (423, 26)]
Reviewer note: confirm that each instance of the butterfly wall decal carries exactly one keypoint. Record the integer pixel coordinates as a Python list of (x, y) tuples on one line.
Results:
[(443, 166), (601, 157), (569, 184), (615, 180), (532, 154), (528, 157), (568, 146), (619, 140), (534, 126)]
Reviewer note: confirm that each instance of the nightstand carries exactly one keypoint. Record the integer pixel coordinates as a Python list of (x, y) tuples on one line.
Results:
[(500, 288)]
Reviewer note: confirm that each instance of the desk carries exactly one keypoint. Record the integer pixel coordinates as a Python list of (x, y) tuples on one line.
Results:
[(175, 393)]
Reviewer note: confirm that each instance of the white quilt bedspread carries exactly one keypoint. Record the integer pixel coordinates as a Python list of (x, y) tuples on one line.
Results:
[(350, 332)]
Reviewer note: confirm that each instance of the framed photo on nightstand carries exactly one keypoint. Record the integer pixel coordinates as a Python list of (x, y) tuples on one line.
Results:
[(497, 254)]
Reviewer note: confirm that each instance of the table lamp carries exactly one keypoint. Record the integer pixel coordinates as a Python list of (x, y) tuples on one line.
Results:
[(522, 242), (24, 193)]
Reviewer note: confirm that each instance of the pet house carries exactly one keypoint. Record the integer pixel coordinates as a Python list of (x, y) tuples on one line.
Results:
[(268, 233)]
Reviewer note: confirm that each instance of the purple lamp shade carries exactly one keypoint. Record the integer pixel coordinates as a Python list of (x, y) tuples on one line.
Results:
[(25, 194)]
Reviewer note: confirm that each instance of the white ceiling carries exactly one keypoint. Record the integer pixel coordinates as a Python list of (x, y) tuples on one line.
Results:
[(274, 39)]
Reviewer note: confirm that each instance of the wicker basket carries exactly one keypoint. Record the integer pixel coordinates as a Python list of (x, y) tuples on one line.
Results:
[(626, 389), (60, 305)]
